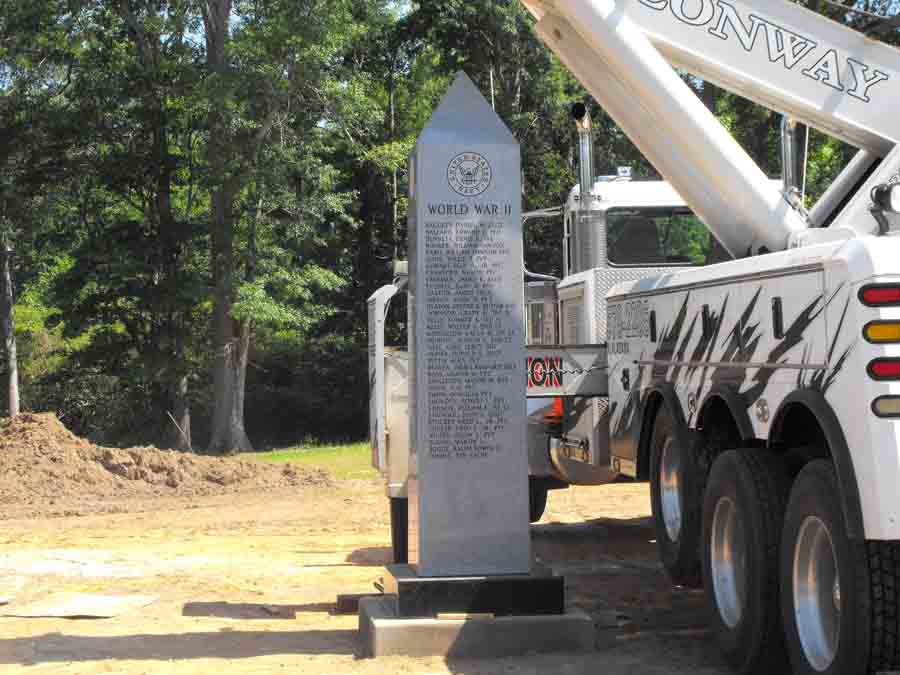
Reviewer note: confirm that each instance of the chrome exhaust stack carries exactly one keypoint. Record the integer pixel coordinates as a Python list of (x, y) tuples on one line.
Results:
[(585, 152)]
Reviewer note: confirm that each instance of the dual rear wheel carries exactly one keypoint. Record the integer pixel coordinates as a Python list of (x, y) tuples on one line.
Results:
[(834, 611), (743, 509), (786, 588), (675, 498)]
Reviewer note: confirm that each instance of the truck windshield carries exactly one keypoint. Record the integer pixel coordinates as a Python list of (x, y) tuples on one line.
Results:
[(658, 237)]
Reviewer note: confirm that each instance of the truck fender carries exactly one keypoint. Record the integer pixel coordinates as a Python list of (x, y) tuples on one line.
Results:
[(736, 404), (815, 402), (664, 392)]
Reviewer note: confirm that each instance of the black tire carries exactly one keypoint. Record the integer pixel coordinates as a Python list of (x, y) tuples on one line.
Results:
[(679, 542), (866, 635), (884, 590), (537, 498), (747, 488)]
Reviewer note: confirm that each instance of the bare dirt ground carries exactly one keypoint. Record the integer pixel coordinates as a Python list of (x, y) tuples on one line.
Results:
[(45, 470), (247, 583)]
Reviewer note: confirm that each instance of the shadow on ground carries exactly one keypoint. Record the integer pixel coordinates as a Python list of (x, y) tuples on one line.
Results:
[(612, 569), (251, 610), (630, 540)]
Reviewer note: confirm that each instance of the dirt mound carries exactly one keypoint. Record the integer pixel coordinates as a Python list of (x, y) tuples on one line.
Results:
[(44, 466)]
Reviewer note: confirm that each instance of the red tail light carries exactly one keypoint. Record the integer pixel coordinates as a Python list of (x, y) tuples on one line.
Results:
[(880, 295), (885, 369)]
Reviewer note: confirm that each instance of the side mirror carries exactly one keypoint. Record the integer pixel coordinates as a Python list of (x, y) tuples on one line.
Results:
[(885, 199)]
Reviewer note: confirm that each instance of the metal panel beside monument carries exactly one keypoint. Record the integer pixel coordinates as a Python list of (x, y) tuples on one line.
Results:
[(469, 490)]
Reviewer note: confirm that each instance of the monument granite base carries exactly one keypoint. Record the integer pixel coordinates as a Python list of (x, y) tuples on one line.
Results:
[(384, 633), (503, 595)]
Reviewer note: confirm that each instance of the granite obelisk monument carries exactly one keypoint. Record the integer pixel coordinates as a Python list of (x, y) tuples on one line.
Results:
[(470, 588), (468, 488)]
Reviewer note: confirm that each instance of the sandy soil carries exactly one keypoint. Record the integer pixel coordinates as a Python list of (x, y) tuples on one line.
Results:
[(247, 584), (45, 470)]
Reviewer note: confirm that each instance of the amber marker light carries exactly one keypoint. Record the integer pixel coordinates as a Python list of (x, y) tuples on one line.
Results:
[(884, 369), (886, 406), (554, 415), (881, 332)]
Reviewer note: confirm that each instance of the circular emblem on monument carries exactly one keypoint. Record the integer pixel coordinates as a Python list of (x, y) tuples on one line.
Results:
[(469, 174)]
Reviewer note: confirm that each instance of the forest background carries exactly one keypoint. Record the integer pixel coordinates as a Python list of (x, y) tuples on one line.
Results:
[(199, 195)]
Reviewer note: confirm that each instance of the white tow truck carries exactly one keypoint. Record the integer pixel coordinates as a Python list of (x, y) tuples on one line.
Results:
[(760, 396)]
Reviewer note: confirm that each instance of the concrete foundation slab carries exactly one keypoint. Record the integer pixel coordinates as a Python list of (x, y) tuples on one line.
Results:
[(383, 633)]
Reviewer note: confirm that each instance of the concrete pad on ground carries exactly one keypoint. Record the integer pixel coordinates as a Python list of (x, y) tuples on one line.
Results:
[(384, 633), (80, 606)]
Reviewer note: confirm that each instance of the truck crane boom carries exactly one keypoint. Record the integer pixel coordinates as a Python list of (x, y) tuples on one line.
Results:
[(622, 50), (784, 57)]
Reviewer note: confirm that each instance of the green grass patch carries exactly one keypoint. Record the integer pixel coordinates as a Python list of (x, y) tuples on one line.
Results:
[(341, 461)]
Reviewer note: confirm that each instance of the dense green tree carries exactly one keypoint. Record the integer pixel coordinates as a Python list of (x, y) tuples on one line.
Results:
[(37, 50), (139, 281), (203, 193), (266, 62)]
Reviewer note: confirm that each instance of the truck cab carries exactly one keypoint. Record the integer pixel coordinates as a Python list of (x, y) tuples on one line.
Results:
[(623, 231)]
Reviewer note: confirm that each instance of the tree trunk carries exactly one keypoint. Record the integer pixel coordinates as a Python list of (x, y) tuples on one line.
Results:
[(229, 435), (181, 405), (241, 443), (395, 183), (181, 439), (230, 342), (220, 239), (9, 332), (172, 235)]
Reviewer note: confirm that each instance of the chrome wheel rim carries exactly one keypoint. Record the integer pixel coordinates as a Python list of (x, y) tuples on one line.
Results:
[(728, 554), (670, 489), (817, 593)]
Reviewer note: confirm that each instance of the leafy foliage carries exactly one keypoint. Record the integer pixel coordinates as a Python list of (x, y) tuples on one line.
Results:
[(158, 170)]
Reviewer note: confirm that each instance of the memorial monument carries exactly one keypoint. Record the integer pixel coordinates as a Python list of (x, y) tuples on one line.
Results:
[(469, 535), (469, 483)]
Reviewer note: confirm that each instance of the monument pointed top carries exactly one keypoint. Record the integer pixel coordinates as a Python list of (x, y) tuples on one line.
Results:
[(465, 114)]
